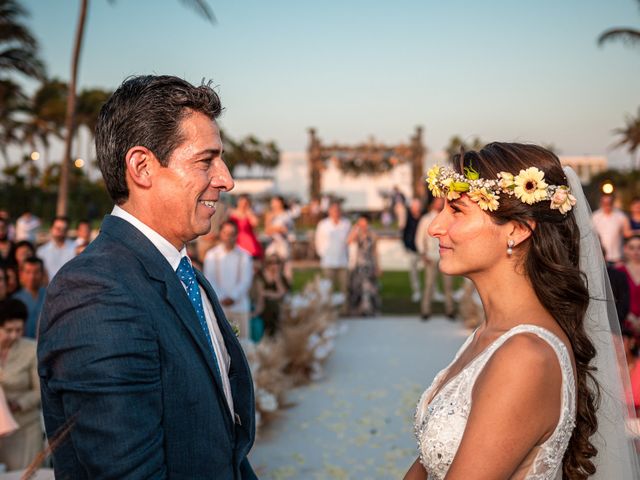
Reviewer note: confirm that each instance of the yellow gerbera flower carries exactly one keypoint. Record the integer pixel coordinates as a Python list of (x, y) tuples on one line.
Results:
[(486, 199), (530, 186), (434, 187), (433, 172)]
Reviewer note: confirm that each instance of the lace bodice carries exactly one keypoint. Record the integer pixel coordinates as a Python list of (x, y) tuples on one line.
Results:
[(440, 421)]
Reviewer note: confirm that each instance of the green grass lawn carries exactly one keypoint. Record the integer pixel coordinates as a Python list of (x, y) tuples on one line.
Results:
[(394, 288)]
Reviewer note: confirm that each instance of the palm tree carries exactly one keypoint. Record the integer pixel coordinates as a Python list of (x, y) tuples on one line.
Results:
[(249, 152), (628, 35), (18, 47), (90, 101), (630, 134), (45, 115), (200, 6), (456, 144), (12, 103)]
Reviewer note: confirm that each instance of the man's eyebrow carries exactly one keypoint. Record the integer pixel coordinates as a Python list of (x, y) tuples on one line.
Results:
[(211, 151)]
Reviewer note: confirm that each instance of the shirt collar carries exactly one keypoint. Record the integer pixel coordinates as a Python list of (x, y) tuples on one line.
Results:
[(168, 251)]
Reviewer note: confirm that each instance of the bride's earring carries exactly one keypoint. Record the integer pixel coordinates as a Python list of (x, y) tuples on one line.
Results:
[(510, 245)]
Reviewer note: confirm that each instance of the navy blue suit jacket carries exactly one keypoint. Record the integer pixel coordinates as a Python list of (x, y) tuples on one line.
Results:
[(124, 362)]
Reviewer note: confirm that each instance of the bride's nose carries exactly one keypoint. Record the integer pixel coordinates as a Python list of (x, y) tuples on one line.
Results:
[(438, 225)]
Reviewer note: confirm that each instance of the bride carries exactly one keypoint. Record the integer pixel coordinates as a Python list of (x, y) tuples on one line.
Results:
[(520, 399)]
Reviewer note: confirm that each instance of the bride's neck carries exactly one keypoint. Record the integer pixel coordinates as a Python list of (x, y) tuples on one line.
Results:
[(508, 299)]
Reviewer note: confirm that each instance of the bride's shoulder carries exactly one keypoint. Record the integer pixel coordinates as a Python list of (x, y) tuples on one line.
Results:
[(525, 364)]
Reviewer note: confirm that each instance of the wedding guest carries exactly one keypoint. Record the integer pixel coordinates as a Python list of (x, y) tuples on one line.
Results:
[(11, 275), (612, 226), (11, 229), (32, 292), (3, 284), (20, 382), (428, 248), (271, 287), (83, 233), (412, 218), (27, 227), (331, 246), (630, 342), (246, 220), (59, 249), (21, 250), (229, 269), (6, 244), (399, 206), (634, 216), (631, 269), (364, 297), (279, 227)]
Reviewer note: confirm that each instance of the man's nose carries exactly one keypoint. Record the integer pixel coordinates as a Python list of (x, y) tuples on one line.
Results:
[(222, 178)]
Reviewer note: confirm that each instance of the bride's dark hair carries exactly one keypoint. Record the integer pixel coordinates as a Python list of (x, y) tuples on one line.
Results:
[(551, 261)]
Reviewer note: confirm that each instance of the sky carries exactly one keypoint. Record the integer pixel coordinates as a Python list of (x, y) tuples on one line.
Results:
[(497, 69)]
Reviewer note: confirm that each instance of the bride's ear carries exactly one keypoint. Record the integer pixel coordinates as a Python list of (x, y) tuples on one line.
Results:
[(521, 231)]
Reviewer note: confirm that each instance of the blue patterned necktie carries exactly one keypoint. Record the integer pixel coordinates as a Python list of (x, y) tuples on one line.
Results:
[(188, 277)]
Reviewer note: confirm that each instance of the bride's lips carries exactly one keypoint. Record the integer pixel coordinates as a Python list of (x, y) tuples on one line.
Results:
[(444, 248)]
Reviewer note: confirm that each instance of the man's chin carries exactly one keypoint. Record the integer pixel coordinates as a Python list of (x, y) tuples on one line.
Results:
[(204, 227)]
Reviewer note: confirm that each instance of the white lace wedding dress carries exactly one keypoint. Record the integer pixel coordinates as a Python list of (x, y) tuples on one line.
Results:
[(440, 421)]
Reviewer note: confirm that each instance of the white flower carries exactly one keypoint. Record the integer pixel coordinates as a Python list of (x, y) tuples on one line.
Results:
[(266, 400), (530, 186), (562, 200), (506, 180)]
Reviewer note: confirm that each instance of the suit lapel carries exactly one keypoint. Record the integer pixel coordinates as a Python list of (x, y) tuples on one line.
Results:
[(159, 269)]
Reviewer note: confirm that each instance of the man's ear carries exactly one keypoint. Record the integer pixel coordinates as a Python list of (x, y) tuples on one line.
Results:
[(139, 163), (520, 232)]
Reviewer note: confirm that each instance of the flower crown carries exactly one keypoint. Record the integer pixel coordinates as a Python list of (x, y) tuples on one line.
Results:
[(528, 186)]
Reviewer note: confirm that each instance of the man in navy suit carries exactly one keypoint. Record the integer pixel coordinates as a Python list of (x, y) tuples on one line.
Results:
[(141, 375)]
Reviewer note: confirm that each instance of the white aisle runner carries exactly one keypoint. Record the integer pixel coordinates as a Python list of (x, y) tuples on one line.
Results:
[(358, 421)]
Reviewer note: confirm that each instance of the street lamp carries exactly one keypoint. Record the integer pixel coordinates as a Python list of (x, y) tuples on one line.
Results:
[(35, 156), (607, 188), (79, 163)]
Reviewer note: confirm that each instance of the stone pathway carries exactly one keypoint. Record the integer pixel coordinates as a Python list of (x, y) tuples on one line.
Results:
[(358, 421)]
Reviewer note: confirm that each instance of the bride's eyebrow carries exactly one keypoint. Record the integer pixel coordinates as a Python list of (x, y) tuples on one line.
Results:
[(458, 202)]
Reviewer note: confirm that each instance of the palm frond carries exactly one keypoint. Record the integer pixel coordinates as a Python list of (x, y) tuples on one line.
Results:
[(23, 61), (19, 34), (629, 36), (202, 8)]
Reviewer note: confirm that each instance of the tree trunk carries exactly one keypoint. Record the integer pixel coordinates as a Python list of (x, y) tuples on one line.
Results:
[(5, 155), (63, 190)]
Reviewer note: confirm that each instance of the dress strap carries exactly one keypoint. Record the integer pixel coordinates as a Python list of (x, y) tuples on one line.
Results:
[(568, 381)]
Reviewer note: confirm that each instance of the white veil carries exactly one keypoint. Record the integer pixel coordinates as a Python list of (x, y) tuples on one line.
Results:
[(617, 457)]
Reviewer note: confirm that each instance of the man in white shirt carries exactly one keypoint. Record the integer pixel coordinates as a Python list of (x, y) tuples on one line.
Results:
[(59, 249), (612, 226), (27, 227), (429, 249), (331, 246), (229, 268), (137, 362)]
